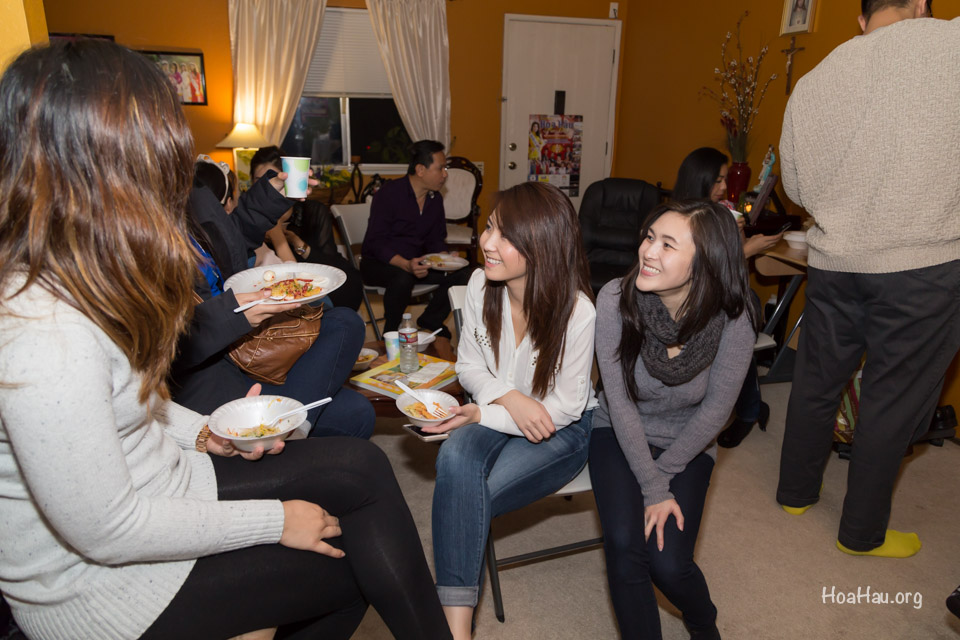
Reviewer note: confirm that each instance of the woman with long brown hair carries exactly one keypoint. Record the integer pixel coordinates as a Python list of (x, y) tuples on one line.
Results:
[(525, 356), (113, 525)]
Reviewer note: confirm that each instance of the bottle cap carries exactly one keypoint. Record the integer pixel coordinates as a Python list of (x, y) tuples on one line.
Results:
[(406, 315)]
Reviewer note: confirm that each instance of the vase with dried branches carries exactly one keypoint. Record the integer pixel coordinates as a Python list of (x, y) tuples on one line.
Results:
[(739, 93)]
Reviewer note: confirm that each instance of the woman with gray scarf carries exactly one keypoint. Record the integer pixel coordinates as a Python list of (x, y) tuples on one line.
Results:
[(674, 338)]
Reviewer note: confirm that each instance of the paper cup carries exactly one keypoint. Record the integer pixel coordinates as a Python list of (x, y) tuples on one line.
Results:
[(297, 170), (392, 340)]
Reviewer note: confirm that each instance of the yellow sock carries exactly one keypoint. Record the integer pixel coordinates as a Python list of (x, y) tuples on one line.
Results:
[(896, 544), (799, 511), (795, 511)]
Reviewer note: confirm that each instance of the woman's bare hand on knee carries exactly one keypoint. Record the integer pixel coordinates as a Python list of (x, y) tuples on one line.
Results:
[(656, 515), (531, 417), (307, 525)]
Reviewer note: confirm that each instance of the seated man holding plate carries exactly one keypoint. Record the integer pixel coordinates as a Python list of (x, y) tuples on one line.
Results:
[(406, 230)]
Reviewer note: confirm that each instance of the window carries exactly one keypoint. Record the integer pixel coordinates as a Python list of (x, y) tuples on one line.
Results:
[(346, 108)]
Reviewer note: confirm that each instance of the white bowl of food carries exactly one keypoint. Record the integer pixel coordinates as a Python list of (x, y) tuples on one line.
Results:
[(796, 239), (424, 339), (243, 421), (364, 359), (415, 410)]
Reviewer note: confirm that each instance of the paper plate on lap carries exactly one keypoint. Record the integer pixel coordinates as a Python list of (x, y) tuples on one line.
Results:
[(444, 262), (327, 278)]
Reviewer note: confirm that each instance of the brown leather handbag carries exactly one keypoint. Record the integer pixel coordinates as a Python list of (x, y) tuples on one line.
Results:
[(267, 353)]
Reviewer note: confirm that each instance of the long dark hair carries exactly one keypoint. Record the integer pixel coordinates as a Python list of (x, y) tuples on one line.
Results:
[(719, 282), (539, 221), (698, 173), (96, 160)]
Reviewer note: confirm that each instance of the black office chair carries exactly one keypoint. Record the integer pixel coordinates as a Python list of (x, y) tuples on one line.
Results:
[(611, 214)]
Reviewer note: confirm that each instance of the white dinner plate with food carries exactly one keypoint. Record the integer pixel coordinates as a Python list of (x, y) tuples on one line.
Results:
[(444, 262), (288, 282)]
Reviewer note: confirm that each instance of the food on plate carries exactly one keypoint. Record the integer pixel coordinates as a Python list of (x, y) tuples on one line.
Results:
[(435, 260), (366, 357), (419, 411), (269, 276), (294, 289), (259, 431)]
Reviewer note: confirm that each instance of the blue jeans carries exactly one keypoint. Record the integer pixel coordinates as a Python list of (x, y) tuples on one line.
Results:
[(323, 370), (482, 473)]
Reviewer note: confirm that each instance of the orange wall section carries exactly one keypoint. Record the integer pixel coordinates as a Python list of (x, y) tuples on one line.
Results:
[(176, 25)]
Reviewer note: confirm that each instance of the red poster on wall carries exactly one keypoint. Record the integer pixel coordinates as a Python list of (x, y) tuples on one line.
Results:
[(553, 151)]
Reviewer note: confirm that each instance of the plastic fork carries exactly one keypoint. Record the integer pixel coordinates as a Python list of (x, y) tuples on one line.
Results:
[(436, 411), (254, 303), (287, 414)]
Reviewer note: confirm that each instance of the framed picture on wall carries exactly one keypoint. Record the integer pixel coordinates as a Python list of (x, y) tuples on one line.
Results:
[(797, 16), (185, 73)]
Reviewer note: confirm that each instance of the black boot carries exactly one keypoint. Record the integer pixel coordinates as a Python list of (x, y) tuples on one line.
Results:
[(740, 429), (953, 602)]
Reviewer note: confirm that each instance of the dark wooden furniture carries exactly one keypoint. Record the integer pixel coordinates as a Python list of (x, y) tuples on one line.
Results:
[(460, 194)]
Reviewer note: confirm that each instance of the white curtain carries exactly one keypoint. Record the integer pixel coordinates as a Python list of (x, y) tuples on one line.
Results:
[(272, 43), (412, 35)]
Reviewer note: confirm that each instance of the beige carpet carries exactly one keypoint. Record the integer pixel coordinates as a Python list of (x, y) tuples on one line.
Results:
[(767, 570)]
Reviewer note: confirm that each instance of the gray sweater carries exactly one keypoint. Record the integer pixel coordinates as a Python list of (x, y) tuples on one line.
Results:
[(683, 420), (870, 147), (103, 506)]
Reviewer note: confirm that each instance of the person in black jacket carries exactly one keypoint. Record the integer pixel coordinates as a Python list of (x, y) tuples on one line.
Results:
[(203, 378)]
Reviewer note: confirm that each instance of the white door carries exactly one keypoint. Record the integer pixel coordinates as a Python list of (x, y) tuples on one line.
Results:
[(575, 60)]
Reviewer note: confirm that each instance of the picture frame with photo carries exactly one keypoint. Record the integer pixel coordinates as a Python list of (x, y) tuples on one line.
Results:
[(798, 16), (185, 72)]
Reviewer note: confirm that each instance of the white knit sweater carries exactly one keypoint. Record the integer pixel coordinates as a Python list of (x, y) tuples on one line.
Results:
[(103, 508), (871, 149)]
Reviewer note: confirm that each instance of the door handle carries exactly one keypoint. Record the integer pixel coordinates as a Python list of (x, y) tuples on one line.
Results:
[(512, 146), (511, 165)]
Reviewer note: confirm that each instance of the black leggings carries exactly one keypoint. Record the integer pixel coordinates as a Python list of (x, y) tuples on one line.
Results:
[(306, 594), (634, 566)]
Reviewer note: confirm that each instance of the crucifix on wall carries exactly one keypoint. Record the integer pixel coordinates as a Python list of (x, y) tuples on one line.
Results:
[(792, 51)]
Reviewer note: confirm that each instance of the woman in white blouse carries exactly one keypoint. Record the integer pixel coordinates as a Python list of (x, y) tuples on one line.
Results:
[(525, 356)]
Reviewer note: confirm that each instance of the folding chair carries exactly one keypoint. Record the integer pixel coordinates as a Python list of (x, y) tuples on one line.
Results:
[(579, 484), (352, 220)]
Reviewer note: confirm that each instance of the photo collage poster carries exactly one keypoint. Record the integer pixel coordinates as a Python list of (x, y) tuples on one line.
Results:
[(553, 151)]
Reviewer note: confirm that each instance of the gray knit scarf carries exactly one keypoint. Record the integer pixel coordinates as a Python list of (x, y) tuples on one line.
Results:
[(660, 330)]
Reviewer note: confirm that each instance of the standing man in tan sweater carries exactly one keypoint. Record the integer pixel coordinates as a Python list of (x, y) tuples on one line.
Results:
[(871, 149)]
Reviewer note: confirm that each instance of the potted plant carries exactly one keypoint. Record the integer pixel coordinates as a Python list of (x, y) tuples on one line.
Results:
[(739, 95)]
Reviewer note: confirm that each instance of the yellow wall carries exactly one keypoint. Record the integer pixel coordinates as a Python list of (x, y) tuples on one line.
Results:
[(175, 25), (22, 24)]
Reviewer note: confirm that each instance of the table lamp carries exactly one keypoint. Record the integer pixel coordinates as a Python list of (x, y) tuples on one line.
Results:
[(245, 139)]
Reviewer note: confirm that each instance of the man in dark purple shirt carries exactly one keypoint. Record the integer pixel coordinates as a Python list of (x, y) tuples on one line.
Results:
[(407, 221)]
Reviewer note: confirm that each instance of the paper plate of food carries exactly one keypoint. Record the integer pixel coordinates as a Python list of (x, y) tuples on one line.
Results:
[(288, 282), (444, 261)]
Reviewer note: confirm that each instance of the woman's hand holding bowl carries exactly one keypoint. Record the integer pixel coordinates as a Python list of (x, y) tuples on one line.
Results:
[(222, 447), (466, 414)]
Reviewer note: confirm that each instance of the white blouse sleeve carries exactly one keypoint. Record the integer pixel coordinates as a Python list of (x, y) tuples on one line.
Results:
[(475, 372)]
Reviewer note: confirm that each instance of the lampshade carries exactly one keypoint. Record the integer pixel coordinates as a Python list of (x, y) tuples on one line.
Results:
[(244, 135)]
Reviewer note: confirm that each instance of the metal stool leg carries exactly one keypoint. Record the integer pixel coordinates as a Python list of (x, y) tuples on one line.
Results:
[(494, 578)]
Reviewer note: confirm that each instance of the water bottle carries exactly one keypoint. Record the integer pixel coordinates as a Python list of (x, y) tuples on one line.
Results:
[(409, 362)]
